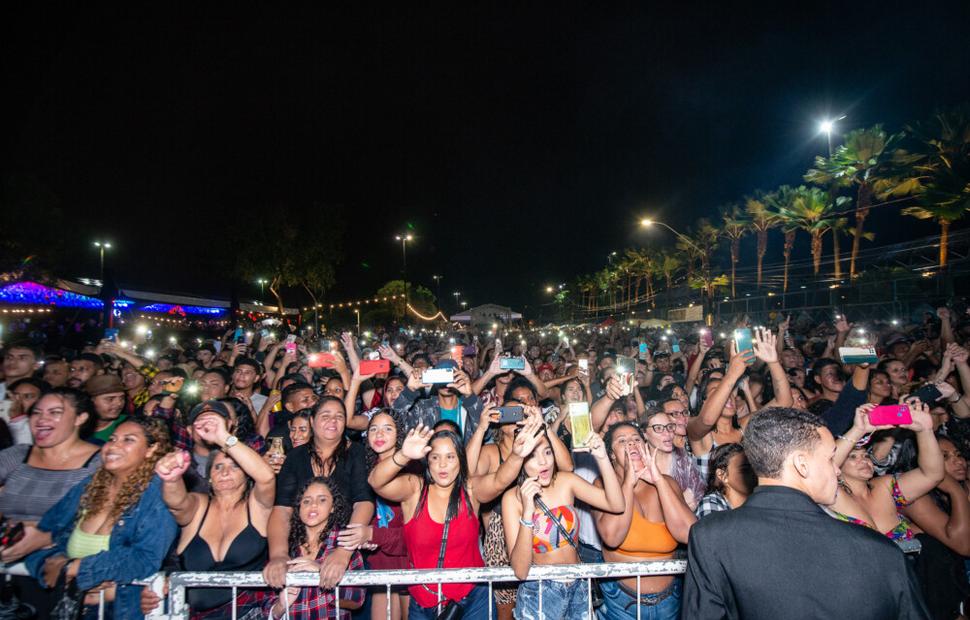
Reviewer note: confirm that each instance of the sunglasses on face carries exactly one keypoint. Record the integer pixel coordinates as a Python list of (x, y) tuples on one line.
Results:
[(659, 428)]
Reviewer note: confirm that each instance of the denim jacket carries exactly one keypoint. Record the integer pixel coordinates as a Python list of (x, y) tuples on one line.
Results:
[(138, 544), (413, 410)]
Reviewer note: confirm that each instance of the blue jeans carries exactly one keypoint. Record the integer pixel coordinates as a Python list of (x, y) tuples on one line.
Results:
[(475, 605), (618, 604), (560, 601)]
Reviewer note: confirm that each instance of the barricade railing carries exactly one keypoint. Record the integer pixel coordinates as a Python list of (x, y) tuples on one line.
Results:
[(178, 582)]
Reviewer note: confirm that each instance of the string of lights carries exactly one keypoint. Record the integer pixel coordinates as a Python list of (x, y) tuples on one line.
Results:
[(349, 304)]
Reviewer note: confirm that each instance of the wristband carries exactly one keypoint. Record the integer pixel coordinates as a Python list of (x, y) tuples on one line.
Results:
[(528, 524), (394, 459)]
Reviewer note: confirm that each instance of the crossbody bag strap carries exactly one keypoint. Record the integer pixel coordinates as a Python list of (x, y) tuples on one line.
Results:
[(562, 530), (444, 543)]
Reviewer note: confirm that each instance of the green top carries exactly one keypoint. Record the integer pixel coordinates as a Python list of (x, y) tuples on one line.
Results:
[(81, 544), (105, 434)]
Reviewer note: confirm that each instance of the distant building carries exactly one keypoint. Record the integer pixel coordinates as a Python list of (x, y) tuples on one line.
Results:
[(485, 315)]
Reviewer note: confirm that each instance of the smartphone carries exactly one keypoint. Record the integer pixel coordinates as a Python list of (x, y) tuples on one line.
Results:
[(319, 360), (928, 394), (238, 335), (290, 344), (511, 363), (438, 375), (707, 338), (890, 414), (510, 415), (264, 333), (111, 333), (625, 369), (674, 345), (743, 344), (583, 364), (581, 424), (644, 350), (458, 354), (858, 355), (374, 367)]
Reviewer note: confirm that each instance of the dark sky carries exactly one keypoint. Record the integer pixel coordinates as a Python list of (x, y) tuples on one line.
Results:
[(521, 142)]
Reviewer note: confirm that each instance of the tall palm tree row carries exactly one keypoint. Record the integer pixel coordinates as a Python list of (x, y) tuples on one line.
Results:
[(923, 170)]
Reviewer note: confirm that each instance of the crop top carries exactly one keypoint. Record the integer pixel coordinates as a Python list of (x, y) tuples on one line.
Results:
[(647, 539), (546, 536)]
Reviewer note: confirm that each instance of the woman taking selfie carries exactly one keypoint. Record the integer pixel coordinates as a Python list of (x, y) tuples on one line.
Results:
[(112, 528), (541, 526)]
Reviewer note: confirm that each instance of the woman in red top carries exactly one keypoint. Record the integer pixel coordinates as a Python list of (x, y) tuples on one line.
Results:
[(446, 493)]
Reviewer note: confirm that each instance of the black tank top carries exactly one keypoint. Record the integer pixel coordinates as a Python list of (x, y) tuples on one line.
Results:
[(247, 552)]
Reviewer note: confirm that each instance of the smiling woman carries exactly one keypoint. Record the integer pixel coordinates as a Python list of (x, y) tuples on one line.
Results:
[(112, 528)]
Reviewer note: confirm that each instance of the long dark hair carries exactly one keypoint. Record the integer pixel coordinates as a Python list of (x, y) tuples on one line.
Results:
[(460, 488), (555, 466), (338, 518), (210, 463), (342, 447), (608, 437), (370, 457), (81, 402)]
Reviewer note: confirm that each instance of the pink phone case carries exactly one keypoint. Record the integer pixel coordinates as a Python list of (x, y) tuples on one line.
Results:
[(890, 414)]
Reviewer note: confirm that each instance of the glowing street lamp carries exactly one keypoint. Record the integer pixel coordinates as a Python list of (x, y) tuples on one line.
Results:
[(262, 282), (102, 246), (404, 266), (827, 126)]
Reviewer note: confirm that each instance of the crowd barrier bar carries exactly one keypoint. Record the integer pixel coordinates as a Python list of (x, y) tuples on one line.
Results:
[(178, 581)]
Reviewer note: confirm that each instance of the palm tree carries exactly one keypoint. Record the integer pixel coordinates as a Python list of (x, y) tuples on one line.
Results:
[(944, 183), (669, 264), (780, 201), (811, 211), (735, 225), (761, 219), (865, 156)]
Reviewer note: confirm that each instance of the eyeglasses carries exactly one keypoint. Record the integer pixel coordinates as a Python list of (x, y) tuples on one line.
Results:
[(659, 428)]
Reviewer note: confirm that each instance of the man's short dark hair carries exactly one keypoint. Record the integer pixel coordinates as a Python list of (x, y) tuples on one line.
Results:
[(218, 370), (26, 345), (91, 357), (774, 433), (292, 389), (248, 361)]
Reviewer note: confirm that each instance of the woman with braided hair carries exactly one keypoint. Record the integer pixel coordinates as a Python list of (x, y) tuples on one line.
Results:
[(113, 527)]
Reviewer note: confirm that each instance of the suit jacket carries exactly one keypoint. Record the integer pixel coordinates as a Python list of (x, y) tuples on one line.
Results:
[(781, 556)]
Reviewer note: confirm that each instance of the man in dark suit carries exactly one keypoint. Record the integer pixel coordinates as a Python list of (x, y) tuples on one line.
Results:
[(780, 556)]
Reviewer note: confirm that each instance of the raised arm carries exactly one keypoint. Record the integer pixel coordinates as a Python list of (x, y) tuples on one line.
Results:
[(182, 504), (211, 428), (608, 497), (355, 420), (946, 328), (486, 487), (766, 350), (385, 478), (601, 408), (929, 470), (694, 370), (953, 530), (699, 426)]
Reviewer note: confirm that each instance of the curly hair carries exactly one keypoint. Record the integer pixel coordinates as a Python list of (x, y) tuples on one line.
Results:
[(96, 493), (339, 515), (370, 457)]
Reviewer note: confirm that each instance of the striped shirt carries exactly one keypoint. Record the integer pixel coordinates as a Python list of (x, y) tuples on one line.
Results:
[(28, 491)]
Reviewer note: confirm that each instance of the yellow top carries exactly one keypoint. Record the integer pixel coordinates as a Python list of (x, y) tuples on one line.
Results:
[(81, 544)]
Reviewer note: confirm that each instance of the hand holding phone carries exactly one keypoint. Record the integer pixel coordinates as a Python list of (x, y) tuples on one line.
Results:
[(890, 415), (744, 344)]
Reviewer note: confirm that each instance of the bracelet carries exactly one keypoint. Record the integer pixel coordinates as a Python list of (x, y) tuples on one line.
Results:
[(528, 524), (395, 461)]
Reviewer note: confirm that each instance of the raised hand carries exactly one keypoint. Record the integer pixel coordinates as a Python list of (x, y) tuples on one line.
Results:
[(528, 436), (943, 313), (596, 447), (922, 420), (842, 325), (861, 421), (614, 388), (527, 494), (650, 472), (415, 444), (414, 381), (347, 341), (173, 465), (389, 354), (765, 345), (211, 428), (462, 383)]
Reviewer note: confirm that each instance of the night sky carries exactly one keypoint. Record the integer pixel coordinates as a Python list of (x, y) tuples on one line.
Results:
[(522, 143)]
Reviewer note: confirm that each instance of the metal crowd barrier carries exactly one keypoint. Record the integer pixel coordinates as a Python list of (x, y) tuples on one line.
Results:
[(178, 582)]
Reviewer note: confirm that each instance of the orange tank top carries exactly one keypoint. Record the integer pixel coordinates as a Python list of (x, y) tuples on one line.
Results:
[(647, 539)]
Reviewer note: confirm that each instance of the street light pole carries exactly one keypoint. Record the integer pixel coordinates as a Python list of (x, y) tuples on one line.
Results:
[(357, 311), (827, 127), (102, 246), (437, 281), (404, 267)]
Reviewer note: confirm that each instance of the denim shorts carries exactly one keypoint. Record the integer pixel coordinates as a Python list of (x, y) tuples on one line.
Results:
[(560, 600), (475, 605), (619, 604)]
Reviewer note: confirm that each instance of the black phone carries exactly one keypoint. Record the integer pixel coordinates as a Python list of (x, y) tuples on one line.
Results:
[(928, 394), (510, 415)]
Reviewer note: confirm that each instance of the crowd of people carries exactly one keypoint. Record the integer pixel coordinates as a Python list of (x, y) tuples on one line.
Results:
[(459, 448)]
